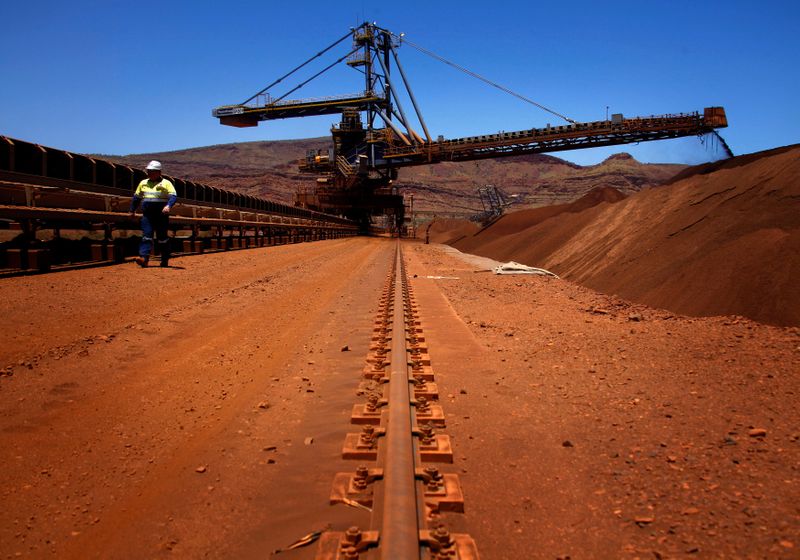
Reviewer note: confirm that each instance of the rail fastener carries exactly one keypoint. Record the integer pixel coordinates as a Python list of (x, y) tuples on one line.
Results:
[(406, 492)]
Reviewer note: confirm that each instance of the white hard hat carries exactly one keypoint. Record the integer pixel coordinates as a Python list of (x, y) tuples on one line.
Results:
[(153, 166)]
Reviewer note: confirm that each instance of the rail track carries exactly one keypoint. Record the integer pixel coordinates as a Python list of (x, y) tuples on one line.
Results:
[(400, 446)]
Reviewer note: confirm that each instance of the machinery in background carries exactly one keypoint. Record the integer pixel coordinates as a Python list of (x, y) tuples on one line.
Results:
[(376, 137), (494, 202)]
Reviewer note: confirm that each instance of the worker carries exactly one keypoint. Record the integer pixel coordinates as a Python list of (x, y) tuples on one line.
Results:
[(157, 196)]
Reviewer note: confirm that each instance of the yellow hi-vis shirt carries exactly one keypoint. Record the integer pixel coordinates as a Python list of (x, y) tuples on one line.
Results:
[(155, 191)]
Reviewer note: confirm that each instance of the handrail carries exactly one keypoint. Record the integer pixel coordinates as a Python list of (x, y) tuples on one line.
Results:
[(25, 162)]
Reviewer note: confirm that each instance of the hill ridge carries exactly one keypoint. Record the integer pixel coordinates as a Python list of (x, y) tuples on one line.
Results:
[(268, 168)]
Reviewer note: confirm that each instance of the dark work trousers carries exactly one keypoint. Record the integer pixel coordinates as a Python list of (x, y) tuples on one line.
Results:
[(154, 221)]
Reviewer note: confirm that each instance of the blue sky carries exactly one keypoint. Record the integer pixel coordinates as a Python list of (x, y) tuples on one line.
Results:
[(122, 77)]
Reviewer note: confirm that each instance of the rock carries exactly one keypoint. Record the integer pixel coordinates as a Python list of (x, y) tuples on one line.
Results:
[(271, 448), (308, 441), (201, 469), (263, 404), (567, 443), (643, 520), (345, 348), (636, 317), (690, 511), (757, 432), (463, 391)]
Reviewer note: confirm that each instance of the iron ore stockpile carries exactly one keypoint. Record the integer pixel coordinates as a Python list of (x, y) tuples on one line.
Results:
[(718, 239)]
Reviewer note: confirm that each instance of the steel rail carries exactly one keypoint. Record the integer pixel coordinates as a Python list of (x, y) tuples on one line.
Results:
[(79, 214), (45, 186), (400, 529), (405, 492)]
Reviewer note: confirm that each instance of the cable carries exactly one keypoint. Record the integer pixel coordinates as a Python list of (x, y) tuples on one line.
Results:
[(320, 53), (486, 80), (331, 65)]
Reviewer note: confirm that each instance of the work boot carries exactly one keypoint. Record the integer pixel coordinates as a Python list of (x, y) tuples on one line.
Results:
[(142, 261)]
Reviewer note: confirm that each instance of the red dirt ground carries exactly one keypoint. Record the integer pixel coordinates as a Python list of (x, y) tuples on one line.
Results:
[(723, 239), (165, 413)]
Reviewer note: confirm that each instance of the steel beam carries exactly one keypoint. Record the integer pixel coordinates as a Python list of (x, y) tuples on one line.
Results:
[(410, 94)]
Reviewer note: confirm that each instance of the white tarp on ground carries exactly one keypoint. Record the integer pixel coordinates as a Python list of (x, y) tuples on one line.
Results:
[(512, 267), (489, 265)]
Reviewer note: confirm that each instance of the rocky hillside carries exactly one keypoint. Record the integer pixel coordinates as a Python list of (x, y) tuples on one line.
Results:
[(537, 179), (266, 169), (269, 169)]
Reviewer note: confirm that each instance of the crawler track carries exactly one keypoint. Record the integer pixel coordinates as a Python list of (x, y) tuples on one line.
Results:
[(400, 421)]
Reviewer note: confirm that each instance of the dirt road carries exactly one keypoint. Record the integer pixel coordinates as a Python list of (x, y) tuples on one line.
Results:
[(167, 413)]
